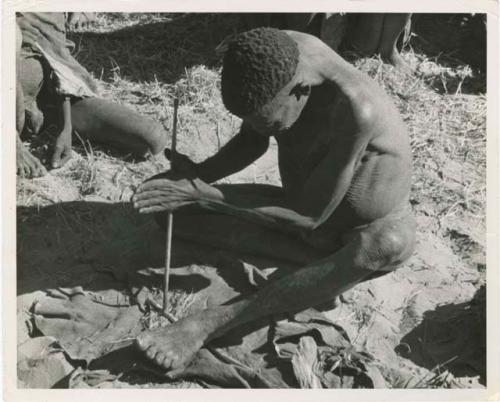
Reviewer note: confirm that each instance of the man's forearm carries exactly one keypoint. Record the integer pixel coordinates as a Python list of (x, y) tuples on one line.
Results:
[(279, 218), (66, 113), (238, 153)]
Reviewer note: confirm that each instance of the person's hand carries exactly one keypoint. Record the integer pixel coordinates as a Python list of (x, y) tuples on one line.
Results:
[(173, 189), (62, 149), (166, 194), (181, 166)]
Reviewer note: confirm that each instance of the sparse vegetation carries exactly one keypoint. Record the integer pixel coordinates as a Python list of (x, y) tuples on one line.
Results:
[(143, 60)]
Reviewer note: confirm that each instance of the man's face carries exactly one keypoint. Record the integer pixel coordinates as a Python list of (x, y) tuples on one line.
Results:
[(283, 111)]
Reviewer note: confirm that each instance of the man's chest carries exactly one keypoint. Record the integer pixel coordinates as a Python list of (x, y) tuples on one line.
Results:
[(308, 141)]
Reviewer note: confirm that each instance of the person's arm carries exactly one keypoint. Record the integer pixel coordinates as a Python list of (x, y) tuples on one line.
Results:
[(322, 193), (243, 149), (62, 149)]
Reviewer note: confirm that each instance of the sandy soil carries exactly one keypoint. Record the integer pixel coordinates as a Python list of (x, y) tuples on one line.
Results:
[(75, 226)]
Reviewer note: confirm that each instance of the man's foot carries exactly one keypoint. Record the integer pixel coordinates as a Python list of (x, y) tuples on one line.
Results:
[(28, 166), (174, 346), (78, 21)]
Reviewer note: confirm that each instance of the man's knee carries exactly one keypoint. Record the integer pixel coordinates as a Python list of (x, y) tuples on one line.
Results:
[(30, 74), (390, 245)]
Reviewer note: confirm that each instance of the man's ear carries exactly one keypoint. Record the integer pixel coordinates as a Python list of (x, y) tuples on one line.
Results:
[(300, 90)]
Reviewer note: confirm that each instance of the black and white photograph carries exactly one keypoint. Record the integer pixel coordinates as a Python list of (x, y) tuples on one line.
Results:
[(250, 200)]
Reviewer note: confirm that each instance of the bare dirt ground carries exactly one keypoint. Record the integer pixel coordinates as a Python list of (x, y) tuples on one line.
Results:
[(75, 225)]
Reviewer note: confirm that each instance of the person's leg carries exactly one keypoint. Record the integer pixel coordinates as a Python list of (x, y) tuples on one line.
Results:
[(30, 73), (255, 20), (300, 22), (233, 234), (110, 123), (394, 25), (31, 78), (365, 31), (382, 244), (27, 165), (333, 29)]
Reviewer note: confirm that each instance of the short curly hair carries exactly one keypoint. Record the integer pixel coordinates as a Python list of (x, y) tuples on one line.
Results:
[(256, 66)]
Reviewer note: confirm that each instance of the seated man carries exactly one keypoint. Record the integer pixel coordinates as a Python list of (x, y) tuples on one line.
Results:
[(50, 79), (345, 165)]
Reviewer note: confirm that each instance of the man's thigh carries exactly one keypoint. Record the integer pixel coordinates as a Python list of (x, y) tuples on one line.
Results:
[(230, 233), (250, 195)]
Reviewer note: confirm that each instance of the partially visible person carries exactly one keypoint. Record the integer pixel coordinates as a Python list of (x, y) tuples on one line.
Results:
[(379, 33), (369, 33), (52, 87), (345, 163), (82, 20)]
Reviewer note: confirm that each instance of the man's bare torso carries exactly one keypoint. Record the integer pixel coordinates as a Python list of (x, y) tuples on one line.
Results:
[(381, 180)]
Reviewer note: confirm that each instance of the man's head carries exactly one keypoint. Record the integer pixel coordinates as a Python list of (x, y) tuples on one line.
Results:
[(261, 80)]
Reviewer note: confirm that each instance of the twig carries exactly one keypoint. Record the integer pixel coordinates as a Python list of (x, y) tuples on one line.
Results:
[(168, 252), (159, 309)]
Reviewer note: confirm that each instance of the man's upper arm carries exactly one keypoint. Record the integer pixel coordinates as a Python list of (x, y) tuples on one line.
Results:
[(241, 150), (331, 179), (255, 141)]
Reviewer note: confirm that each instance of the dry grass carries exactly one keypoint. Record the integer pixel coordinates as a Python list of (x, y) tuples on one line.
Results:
[(144, 60), (448, 137)]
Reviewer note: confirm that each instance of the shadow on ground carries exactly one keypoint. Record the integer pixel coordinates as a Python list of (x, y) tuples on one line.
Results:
[(456, 40), (156, 51), (452, 336), (101, 246)]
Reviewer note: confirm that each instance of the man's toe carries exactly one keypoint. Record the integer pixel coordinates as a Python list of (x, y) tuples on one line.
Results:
[(23, 172), (143, 342), (159, 358), (167, 363), (151, 353)]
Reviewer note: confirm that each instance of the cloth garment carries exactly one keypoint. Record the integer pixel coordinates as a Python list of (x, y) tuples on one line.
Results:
[(44, 37), (304, 350)]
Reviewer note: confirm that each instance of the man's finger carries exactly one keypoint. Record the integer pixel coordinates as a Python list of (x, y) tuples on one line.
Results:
[(165, 193), (157, 184), (157, 201), (150, 210), (148, 194), (167, 203)]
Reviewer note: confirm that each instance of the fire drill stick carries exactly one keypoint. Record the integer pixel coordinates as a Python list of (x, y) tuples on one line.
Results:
[(170, 217)]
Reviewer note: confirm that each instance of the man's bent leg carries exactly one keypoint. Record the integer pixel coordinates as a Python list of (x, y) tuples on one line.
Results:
[(27, 165), (233, 234), (30, 76), (107, 122), (394, 25), (365, 31), (387, 242)]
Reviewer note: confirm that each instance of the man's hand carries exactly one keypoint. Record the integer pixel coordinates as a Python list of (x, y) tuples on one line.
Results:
[(168, 194), (172, 189), (182, 166), (62, 149)]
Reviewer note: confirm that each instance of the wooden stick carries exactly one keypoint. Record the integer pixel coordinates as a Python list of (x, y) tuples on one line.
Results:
[(170, 217)]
